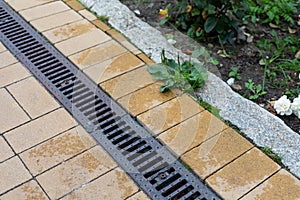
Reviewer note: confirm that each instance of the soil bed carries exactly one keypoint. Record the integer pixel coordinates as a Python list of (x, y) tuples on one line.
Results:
[(244, 56)]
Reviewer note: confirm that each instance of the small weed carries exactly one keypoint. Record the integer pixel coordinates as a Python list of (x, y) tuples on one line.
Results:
[(268, 151), (103, 18), (186, 76), (256, 91), (272, 11), (234, 73)]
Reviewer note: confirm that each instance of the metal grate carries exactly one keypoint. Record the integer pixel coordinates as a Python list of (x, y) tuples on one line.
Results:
[(147, 162)]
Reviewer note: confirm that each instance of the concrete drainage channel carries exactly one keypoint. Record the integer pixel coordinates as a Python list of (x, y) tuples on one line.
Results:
[(154, 169)]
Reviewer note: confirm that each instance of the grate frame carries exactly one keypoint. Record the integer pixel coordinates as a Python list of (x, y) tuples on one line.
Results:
[(149, 163)]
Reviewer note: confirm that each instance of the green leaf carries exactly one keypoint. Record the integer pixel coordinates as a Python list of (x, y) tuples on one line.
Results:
[(159, 72), (165, 20), (210, 24)]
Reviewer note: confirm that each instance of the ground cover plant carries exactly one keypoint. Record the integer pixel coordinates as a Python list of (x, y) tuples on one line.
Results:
[(256, 43)]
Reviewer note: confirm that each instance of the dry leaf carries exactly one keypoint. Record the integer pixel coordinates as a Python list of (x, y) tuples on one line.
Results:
[(187, 51), (273, 25), (297, 54), (292, 31)]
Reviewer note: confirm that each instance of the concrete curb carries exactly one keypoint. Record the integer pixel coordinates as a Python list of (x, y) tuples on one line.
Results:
[(259, 125)]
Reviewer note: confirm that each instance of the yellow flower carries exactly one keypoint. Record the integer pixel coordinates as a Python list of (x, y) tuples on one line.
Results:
[(164, 12), (204, 15), (188, 9)]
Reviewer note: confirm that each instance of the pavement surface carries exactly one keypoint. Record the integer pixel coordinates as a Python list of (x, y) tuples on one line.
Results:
[(46, 154)]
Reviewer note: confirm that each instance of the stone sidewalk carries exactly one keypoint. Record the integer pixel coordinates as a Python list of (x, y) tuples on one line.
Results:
[(45, 154)]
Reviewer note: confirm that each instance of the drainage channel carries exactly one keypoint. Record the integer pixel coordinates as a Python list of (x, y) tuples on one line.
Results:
[(154, 169)]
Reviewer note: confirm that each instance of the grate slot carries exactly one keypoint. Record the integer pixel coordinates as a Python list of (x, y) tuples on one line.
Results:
[(109, 122), (190, 195), (33, 49), (81, 96), (117, 132), (123, 137), (37, 54), (169, 181), (155, 170), (97, 111), (9, 27), (62, 79), (134, 147), (177, 184), (139, 151), (184, 190), (128, 142), (47, 64), (89, 104), (195, 195), (150, 164), (111, 129), (53, 68), (72, 90), (40, 57), (144, 158)]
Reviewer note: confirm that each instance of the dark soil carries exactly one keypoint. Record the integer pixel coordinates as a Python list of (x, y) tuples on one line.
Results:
[(245, 56)]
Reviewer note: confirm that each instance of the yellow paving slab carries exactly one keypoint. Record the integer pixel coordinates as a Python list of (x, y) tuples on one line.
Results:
[(82, 42), (127, 83), (113, 67), (7, 59), (242, 175), (24, 4), (170, 113), (44, 10), (11, 114), (2, 47), (113, 185), (280, 186), (72, 174), (13, 173), (87, 14), (5, 152), (75, 5), (97, 54), (29, 190), (57, 150), (39, 130), (104, 27), (12, 73), (144, 99), (68, 31), (216, 152), (192, 132), (33, 97), (56, 20)]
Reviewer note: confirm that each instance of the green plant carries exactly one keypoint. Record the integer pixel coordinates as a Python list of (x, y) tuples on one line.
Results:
[(273, 53), (256, 91), (234, 73), (268, 151), (272, 11), (186, 76), (293, 93), (203, 18)]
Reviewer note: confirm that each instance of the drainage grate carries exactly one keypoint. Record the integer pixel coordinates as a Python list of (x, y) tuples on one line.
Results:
[(147, 162)]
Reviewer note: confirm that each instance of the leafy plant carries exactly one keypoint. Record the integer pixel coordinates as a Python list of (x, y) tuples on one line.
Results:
[(268, 151), (234, 73), (186, 76), (202, 18), (256, 91), (272, 11)]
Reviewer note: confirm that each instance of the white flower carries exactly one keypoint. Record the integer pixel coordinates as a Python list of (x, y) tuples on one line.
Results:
[(283, 106), (296, 106)]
